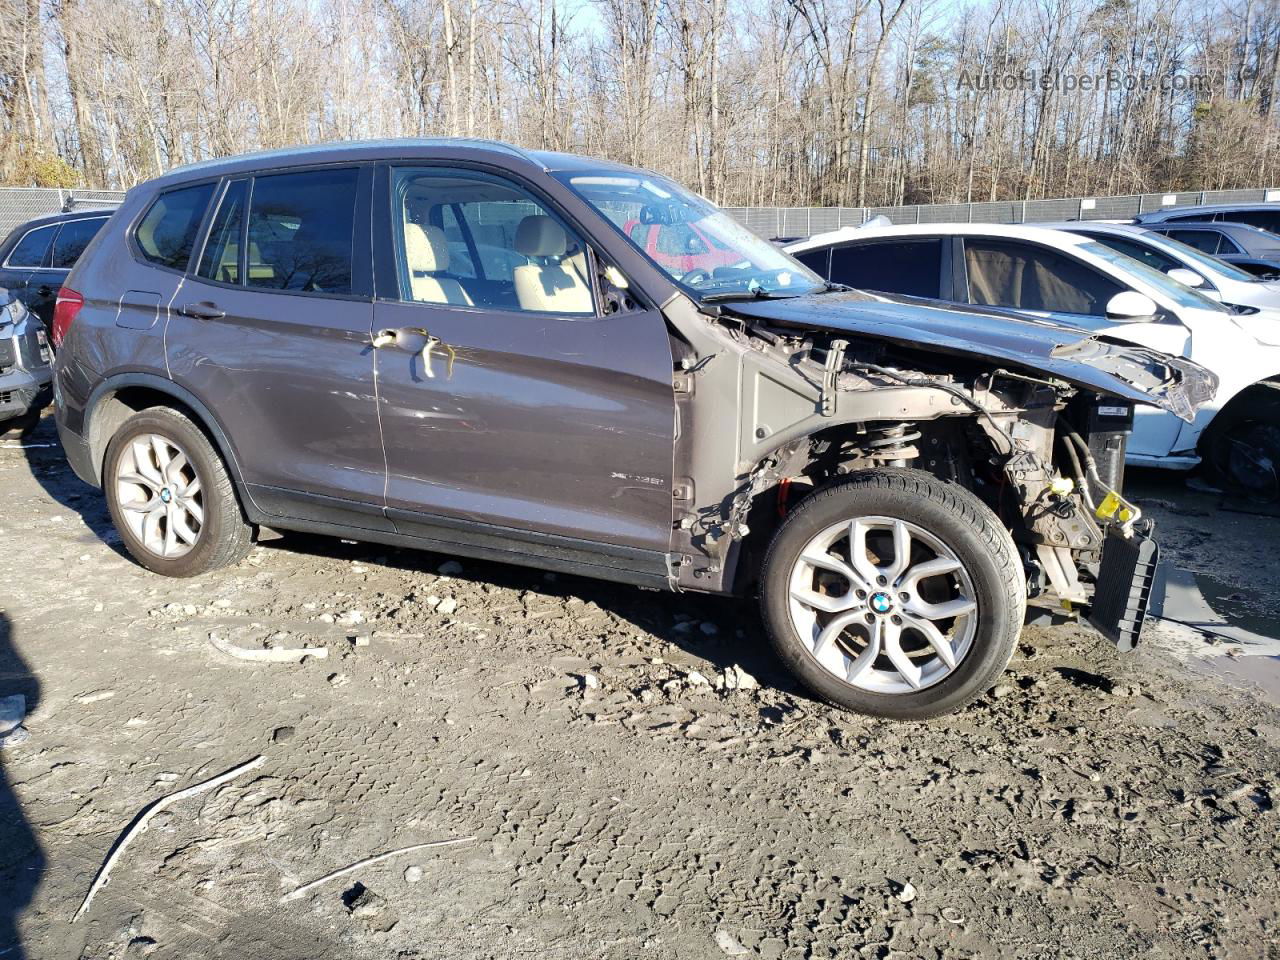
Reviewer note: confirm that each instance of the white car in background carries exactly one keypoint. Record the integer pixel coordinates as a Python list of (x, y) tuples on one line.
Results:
[(1076, 280)]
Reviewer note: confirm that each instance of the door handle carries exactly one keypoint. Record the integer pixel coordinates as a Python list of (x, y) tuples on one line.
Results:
[(45, 290), (416, 340), (204, 310)]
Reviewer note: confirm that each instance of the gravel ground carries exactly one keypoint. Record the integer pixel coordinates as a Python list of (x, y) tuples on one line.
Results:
[(640, 778)]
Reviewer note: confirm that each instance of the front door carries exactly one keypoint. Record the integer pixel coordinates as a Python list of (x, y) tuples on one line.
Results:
[(514, 414), (272, 332)]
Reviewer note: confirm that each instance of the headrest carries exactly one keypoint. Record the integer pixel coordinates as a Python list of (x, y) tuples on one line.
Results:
[(425, 248), (540, 236)]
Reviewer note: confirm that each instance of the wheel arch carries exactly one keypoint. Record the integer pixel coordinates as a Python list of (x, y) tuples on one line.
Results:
[(785, 482), (119, 397), (1191, 435)]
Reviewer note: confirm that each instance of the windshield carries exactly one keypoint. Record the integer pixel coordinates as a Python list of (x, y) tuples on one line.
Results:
[(699, 246), (1179, 293), (1201, 259)]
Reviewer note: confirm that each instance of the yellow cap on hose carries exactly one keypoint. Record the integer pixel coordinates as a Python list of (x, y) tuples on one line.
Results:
[(1113, 507)]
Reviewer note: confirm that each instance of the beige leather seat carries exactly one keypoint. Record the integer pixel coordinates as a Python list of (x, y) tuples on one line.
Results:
[(556, 283), (427, 253), (228, 268)]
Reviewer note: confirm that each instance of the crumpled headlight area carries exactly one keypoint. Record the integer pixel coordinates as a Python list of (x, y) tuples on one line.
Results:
[(1199, 386)]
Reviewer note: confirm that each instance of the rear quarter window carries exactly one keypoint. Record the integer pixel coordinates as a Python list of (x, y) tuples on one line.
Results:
[(167, 232)]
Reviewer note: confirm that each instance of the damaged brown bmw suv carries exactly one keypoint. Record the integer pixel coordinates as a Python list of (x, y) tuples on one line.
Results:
[(463, 346)]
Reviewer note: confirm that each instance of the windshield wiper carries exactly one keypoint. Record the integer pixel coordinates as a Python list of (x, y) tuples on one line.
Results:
[(758, 294)]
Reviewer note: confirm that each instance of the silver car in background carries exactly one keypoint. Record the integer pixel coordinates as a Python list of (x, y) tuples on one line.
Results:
[(25, 372), (1216, 279)]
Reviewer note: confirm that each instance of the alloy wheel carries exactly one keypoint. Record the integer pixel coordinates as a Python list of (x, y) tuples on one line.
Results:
[(883, 605), (160, 495)]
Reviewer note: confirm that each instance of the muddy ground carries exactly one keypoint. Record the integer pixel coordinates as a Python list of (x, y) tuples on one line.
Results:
[(622, 806)]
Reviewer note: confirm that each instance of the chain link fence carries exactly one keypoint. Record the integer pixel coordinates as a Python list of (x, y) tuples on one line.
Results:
[(774, 222), (20, 204)]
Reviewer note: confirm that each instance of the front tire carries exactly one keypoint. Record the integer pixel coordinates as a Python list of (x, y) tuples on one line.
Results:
[(1241, 447), (894, 594), (170, 496)]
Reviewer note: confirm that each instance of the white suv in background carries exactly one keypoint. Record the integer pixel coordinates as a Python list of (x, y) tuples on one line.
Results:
[(1076, 280)]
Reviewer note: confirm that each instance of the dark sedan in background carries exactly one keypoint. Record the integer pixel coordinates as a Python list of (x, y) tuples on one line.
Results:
[(37, 256)]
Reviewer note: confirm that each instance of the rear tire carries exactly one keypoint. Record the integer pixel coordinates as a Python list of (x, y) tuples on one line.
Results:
[(877, 640), (170, 496)]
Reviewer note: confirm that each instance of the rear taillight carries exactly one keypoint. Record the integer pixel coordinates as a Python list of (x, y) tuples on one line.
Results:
[(65, 309)]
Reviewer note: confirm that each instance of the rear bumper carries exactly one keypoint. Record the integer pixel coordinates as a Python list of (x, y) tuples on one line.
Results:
[(77, 451)]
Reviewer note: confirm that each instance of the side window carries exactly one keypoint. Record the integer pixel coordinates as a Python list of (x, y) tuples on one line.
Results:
[(816, 260), (1266, 219), (1139, 251), (528, 260), (300, 231), (910, 267), (72, 239), (1227, 245), (1011, 274), (221, 258), (167, 233), (30, 250), (1205, 241)]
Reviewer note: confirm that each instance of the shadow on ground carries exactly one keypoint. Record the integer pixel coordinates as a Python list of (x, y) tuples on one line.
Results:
[(22, 862), (670, 617)]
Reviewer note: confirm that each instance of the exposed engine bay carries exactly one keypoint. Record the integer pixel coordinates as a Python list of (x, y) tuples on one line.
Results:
[(1044, 454)]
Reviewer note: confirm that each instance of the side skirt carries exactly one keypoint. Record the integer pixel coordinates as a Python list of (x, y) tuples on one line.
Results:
[(644, 568)]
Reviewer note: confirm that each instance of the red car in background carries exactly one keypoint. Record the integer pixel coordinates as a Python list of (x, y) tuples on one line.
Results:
[(680, 247)]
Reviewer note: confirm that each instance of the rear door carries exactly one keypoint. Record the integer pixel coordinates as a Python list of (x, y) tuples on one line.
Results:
[(271, 331), (536, 424)]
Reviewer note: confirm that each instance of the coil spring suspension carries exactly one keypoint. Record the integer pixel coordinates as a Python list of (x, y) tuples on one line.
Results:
[(891, 444)]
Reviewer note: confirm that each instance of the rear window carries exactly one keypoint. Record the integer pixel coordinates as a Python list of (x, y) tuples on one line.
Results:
[(167, 234), (909, 267), (31, 248), (72, 239)]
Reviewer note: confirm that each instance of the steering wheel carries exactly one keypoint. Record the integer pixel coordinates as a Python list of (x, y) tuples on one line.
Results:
[(696, 276)]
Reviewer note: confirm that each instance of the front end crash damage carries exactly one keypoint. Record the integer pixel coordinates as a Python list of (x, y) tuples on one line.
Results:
[(1035, 424)]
